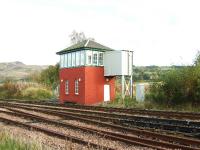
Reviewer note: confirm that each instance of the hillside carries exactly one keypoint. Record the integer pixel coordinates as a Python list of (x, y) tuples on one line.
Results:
[(150, 73), (17, 70)]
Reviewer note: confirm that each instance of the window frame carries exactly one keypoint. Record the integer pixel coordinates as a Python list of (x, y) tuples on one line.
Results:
[(65, 61), (100, 59), (73, 59), (69, 59), (88, 55), (77, 58), (61, 61), (67, 87), (76, 87), (82, 58), (93, 58)]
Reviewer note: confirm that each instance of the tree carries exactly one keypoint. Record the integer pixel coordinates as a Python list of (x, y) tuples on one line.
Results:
[(197, 59), (76, 37), (50, 76)]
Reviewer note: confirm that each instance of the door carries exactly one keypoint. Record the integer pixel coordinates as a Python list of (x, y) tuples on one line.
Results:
[(106, 92)]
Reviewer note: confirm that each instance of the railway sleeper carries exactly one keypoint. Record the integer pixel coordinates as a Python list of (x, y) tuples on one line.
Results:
[(134, 131)]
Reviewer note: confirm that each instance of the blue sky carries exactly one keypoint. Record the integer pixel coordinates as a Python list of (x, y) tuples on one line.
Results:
[(161, 32)]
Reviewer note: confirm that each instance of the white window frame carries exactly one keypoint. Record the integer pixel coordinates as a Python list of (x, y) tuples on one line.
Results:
[(61, 61), (100, 59), (82, 61), (73, 59), (76, 87), (93, 58), (88, 54), (65, 61), (69, 59), (78, 58), (67, 87)]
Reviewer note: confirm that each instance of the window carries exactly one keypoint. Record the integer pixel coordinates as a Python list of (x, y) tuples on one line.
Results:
[(82, 57), (69, 59), (62, 61), (100, 59), (66, 87), (95, 58), (65, 62), (78, 58), (73, 59), (89, 57), (76, 87)]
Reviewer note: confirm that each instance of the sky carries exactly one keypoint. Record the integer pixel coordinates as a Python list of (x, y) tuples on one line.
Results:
[(160, 32)]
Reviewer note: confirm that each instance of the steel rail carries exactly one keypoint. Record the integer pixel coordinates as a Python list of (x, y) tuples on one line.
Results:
[(158, 113), (106, 134), (130, 121), (54, 133), (133, 111), (138, 132), (121, 116), (114, 136)]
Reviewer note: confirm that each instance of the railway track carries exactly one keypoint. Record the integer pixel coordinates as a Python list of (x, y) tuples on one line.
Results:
[(132, 111), (53, 133), (166, 141), (184, 127), (106, 134)]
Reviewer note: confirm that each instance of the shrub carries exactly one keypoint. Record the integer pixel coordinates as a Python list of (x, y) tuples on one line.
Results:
[(10, 90), (23, 90), (177, 87), (36, 93), (50, 76)]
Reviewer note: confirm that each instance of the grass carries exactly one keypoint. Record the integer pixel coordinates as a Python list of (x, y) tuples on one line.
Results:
[(132, 103), (182, 107), (126, 103), (9, 143), (25, 90)]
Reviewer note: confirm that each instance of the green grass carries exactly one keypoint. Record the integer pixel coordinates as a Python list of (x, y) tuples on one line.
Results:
[(8, 143), (25, 91), (181, 107), (126, 103), (132, 103)]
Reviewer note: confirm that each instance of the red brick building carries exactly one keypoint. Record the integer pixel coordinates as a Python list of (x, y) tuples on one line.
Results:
[(82, 78)]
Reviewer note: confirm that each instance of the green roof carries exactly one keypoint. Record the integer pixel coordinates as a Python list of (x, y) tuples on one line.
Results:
[(86, 44)]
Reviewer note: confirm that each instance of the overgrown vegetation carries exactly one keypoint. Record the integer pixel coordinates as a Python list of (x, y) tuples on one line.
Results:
[(177, 87), (8, 143), (126, 103), (36, 93), (48, 77), (37, 86), (24, 90)]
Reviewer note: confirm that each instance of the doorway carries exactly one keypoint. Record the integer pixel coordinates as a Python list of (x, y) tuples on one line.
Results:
[(106, 92)]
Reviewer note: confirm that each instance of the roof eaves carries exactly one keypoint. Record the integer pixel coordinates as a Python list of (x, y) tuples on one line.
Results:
[(82, 48)]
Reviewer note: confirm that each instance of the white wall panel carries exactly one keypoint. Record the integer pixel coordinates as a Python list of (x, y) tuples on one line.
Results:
[(117, 63)]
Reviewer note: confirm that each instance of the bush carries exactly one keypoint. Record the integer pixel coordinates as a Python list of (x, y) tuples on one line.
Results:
[(50, 76), (36, 93), (10, 90), (24, 90), (177, 87)]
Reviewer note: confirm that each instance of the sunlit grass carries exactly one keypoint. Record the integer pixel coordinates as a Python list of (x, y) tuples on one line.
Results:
[(9, 143)]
